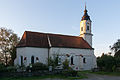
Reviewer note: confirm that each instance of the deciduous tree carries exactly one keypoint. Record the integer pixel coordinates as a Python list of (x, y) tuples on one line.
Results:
[(8, 42), (116, 46)]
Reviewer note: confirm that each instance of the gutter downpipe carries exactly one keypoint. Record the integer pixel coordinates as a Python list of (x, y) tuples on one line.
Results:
[(49, 43)]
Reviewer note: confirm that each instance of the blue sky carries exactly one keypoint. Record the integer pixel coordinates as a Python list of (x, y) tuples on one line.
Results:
[(63, 17)]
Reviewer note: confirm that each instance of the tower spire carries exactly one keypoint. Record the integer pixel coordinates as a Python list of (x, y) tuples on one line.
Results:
[(85, 27), (85, 16), (85, 11), (85, 5)]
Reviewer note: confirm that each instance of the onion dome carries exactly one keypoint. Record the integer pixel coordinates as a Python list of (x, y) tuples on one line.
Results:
[(85, 16)]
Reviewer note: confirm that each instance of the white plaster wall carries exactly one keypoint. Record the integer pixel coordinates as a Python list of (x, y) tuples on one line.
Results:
[(78, 61), (86, 34), (88, 38), (41, 53), (84, 25)]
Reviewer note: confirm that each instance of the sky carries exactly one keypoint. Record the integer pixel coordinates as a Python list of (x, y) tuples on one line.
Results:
[(63, 17)]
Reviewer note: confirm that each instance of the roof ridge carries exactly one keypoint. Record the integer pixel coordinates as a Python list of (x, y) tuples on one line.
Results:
[(53, 34)]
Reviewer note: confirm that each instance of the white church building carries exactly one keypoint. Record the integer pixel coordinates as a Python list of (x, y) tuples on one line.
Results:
[(38, 47)]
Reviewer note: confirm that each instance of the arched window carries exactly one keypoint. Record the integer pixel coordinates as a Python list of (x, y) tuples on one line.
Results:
[(72, 60), (21, 60), (87, 27), (32, 60), (81, 28), (59, 60), (84, 60)]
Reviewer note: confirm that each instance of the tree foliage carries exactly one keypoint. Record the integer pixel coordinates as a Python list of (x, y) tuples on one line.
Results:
[(8, 42), (117, 54), (116, 46), (53, 61), (108, 62), (66, 64)]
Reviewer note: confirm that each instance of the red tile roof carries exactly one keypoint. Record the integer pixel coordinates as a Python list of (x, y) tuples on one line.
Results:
[(46, 40)]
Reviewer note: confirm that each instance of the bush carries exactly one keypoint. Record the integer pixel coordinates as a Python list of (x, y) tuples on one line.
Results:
[(39, 66), (106, 63), (72, 73), (11, 69), (2, 67), (53, 61), (66, 65)]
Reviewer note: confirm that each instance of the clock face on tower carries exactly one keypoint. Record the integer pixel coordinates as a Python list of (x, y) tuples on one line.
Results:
[(87, 24)]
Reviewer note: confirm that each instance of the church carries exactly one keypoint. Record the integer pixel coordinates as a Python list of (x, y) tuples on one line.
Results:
[(38, 47)]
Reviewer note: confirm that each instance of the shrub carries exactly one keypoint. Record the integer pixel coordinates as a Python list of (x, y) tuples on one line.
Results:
[(39, 66), (53, 61), (11, 69), (72, 73), (106, 63), (114, 68), (66, 65), (2, 67)]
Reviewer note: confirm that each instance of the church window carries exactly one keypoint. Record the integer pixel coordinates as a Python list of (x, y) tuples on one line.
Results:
[(25, 58), (72, 60), (37, 59), (81, 28), (21, 60), (59, 60), (84, 60), (87, 27), (32, 60)]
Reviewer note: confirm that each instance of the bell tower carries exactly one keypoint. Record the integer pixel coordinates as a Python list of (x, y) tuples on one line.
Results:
[(85, 27)]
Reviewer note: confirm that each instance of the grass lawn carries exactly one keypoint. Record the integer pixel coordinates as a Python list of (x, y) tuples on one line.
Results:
[(107, 73), (44, 77), (82, 74), (102, 73)]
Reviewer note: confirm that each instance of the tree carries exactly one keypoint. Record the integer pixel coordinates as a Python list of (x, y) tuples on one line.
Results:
[(8, 42), (117, 54), (116, 46), (53, 61), (106, 62)]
